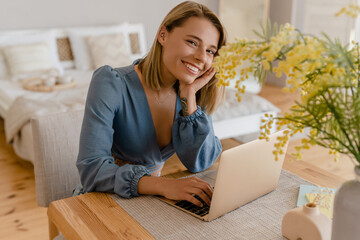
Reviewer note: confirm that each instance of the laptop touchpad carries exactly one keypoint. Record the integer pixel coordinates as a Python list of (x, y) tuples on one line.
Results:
[(209, 177)]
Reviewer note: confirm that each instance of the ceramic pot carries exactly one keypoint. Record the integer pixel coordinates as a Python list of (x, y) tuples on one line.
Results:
[(306, 223), (49, 82), (64, 79), (346, 216)]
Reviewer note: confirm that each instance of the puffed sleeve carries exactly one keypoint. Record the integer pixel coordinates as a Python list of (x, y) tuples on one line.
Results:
[(195, 142), (96, 166)]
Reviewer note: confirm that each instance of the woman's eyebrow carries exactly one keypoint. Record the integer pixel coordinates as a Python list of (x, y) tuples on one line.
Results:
[(200, 40)]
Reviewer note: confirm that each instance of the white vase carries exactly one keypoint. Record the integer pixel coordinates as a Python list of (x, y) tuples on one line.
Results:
[(306, 223), (346, 218)]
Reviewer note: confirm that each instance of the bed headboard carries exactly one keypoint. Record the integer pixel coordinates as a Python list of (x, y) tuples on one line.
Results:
[(35, 14)]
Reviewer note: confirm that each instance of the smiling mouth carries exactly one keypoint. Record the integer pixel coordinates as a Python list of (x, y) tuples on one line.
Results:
[(191, 68)]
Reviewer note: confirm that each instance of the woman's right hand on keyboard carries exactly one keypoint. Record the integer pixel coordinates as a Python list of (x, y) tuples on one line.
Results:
[(177, 189)]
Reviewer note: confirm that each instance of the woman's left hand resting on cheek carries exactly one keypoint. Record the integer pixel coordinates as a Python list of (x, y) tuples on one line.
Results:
[(187, 91), (177, 189)]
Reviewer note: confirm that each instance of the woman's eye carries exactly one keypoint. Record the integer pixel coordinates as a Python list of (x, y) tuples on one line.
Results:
[(192, 42), (211, 52)]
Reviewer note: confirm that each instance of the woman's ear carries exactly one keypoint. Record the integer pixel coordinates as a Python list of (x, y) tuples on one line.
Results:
[(162, 35)]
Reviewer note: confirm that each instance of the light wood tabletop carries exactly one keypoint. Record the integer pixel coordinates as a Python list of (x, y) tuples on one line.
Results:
[(98, 216)]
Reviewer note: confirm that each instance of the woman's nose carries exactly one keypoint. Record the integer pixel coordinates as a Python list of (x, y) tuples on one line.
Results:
[(200, 54)]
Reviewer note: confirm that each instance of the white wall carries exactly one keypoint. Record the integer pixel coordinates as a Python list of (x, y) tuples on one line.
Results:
[(241, 17), (29, 14), (319, 16), (314, 17)]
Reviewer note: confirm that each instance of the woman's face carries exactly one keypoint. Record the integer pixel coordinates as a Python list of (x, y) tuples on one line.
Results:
[(188, 51)]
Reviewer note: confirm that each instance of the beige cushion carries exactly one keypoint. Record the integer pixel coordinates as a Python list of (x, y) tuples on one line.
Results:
[(56, 145), (109, 50), (27, 59), (22, 37), (79, 46)]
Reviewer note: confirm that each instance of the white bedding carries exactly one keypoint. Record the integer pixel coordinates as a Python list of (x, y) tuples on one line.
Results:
[(241, 120), (18, 106), (10, 90)]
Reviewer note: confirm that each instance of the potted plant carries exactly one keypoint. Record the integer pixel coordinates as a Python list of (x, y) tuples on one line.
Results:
[(327, 75)]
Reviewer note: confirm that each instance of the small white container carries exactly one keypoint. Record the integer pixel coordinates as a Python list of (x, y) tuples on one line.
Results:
[(53, 73), (64, 79), (49, 82)]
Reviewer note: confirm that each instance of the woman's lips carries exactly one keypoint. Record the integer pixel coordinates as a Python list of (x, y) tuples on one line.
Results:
[(191, 68)]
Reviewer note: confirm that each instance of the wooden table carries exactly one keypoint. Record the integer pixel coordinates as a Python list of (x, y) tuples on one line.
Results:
[(97, 216)]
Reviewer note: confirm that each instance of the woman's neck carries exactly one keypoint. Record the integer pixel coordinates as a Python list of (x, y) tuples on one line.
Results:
[(166, 83)]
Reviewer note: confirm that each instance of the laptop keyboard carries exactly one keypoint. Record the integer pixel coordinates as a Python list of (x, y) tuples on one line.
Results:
[(201, 211)]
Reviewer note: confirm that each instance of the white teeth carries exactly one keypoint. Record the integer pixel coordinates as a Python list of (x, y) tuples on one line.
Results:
[(195, 69)]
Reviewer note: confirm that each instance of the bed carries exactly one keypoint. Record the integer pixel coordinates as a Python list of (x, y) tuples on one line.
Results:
[(74, 53)]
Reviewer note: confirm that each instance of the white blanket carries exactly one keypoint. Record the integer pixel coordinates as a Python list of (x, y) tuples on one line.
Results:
[(24, 108)]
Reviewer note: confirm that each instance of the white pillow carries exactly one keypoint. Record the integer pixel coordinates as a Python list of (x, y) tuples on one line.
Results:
[(48, 37), (80, 48), (109, 50), (29, 58)]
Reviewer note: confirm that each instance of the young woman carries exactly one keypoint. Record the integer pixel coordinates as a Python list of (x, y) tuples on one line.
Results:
[(136, 117)]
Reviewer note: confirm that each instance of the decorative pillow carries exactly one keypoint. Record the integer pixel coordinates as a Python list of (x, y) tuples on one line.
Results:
[(136, 36), (109, 50), (134, 43), (64, 48), (25, 59), (80, 48), (65, 53), (29, 37)]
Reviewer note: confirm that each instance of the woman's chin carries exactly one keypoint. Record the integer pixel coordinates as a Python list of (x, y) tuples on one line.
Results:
[(186, 81)]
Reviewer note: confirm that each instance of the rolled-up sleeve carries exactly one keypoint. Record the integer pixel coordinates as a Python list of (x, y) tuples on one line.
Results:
[(95, 163), (195, 142)]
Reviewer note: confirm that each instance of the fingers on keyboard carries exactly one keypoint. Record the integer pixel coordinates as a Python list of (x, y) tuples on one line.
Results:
[(201, 211)]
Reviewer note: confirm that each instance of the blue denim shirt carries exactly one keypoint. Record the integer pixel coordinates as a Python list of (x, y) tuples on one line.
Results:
[(118, 123)]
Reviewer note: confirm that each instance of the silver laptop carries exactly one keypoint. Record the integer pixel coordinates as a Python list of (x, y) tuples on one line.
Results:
[(245, 173)]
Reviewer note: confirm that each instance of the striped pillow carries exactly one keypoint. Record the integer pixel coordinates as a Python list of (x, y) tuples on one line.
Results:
[(23, 60)]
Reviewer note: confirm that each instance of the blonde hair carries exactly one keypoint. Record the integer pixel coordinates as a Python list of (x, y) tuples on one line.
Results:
[(210, 95)]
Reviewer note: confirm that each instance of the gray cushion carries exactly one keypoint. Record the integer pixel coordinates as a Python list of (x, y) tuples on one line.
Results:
[(56, 145)]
